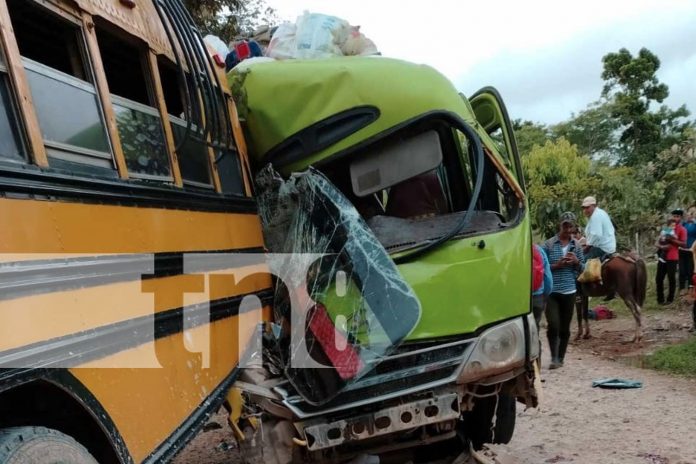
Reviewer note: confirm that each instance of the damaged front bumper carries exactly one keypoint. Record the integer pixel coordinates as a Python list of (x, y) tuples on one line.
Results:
[(496, 356), (322, 435)]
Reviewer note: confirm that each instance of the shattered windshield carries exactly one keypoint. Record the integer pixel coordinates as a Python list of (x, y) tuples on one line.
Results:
[(340, 303)]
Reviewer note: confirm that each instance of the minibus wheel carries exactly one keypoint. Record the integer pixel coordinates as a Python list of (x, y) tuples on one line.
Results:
[(479, 426), (28, 445)]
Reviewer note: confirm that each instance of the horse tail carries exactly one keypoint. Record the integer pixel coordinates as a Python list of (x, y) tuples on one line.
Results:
[(641, 281)]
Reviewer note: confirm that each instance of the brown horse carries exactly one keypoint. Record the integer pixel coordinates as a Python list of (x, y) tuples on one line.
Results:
[(627, 276)]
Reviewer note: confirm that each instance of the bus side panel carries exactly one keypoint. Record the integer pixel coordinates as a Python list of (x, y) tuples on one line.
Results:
[(148, 405)]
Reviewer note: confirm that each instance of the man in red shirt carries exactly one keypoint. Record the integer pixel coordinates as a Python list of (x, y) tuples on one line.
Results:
[(667, 267)]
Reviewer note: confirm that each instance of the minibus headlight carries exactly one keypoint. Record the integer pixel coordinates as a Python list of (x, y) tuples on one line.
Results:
[(499, 346), (497, 349)]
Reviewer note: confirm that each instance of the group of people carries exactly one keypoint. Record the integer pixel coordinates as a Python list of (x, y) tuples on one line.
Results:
[(675, 254), (564, 256)]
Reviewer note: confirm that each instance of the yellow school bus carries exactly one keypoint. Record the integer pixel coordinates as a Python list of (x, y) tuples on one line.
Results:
[(120, 155)]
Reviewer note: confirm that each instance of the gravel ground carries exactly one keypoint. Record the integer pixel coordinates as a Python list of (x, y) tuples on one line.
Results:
[(577, 423)]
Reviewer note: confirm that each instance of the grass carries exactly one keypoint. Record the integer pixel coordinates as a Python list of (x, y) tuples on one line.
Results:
[(677, 359)]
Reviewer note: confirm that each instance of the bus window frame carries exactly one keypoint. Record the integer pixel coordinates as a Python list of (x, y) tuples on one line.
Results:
[(67, 152), (154, 108), (175, 120), (28, 121), (158, 94), (13, 115), (90, 83), (151, 111)]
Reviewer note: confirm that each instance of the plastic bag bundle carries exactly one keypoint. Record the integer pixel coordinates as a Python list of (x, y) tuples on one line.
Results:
[(218, 47), (319, 36), (316, 36), (283, 45), (356, 44)]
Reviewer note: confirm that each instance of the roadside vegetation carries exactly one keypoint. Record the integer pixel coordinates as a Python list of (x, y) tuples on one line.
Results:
[(629, 149), (677, 359)]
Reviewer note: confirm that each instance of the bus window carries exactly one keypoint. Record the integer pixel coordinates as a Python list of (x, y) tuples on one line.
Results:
[(10, 146), (192, 152), (64, 96), (137, 118), (230, 172)]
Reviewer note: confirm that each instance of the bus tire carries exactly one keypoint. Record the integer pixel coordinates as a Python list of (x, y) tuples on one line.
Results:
[(480, 428), (28, 445)]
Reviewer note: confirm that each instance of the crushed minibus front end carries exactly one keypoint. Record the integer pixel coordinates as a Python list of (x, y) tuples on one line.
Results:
[(403, 204)]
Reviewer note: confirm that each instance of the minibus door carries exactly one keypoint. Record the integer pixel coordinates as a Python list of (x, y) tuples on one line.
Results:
[(491, 113)]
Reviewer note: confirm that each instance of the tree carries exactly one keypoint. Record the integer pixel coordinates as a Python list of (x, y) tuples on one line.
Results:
[(632, 86), (593, 130), (230, 18), (529, 134), (558, 177), (624, 193), (675, 168)]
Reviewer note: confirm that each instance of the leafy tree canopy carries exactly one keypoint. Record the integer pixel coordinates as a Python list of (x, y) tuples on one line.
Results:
[(631, 84), (593, 130), (558, 177), (230, 18), (530, 134)]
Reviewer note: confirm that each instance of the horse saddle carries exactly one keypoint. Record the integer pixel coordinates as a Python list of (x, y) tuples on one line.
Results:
[(609, 256)]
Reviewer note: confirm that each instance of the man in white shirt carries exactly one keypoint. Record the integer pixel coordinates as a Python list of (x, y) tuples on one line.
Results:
[(600, 234)]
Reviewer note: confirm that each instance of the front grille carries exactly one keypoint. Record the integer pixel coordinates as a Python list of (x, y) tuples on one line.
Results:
[(412, 367)]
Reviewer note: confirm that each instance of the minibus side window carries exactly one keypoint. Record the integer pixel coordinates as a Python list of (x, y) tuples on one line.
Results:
[(65, 99), (137, 118), (10, 145), (496, 195), (192, 152)]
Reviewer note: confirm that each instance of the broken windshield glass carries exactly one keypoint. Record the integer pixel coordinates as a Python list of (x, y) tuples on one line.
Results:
[(340, 301)]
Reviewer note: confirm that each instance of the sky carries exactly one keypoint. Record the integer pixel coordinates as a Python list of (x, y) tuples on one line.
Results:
[(545, 57)]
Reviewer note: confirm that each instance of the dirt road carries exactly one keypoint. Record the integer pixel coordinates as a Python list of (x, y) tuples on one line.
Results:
[(580, 424), (577, 423)]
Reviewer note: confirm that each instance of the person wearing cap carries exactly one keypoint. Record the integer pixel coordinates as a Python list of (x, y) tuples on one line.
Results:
[(686, 267), (667, 267), (599, 231), (566, 260)]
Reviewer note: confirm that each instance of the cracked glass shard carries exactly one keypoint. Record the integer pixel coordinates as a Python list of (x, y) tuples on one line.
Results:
[(349, 307)]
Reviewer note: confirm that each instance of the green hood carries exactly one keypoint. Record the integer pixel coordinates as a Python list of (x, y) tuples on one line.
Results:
[(280, 99)]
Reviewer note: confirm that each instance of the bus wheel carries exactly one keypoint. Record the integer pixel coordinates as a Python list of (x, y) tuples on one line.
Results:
[(479, 426), (27, 445)]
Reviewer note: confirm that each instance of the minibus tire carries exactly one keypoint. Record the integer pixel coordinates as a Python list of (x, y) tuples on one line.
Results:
[(29, 445), (478, 424)]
